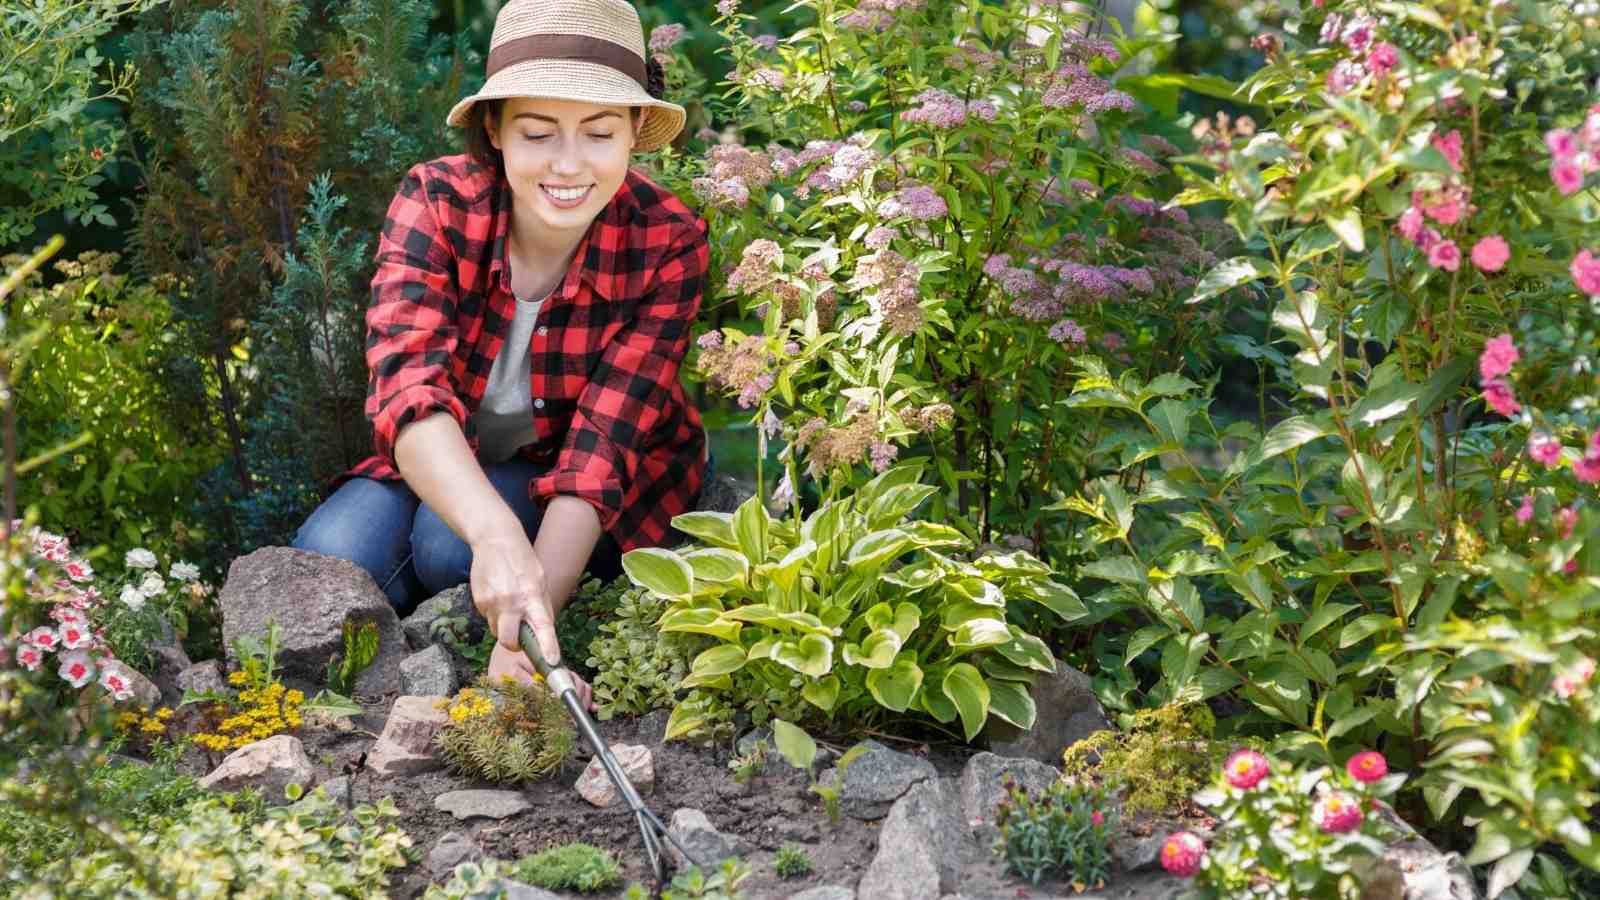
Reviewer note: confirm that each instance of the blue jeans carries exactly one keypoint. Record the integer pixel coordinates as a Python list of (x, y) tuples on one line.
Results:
[(408, 550)]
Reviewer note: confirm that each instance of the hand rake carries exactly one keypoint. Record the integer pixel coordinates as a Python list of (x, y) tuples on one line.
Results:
[(561, 682)]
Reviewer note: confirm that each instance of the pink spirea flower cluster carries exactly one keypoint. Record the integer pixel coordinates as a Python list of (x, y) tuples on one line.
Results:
[(846, 162), (1574, 154), (1245, 769), (758, 266), (1337, 812), (1075, 86), (1370, 56), (733, 171), (942, 109), (918, 201), (1183, 854), (877, 15), (665, 37), (1494, 363), (1572, 679), (1067, 332), (81, 650), (1138, 159), (894, 281)]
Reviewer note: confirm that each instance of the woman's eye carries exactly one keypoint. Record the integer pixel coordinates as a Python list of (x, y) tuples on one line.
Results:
[(535, 137), (603, 137)]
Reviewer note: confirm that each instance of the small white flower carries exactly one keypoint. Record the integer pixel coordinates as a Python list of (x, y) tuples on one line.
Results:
[(116, 682), (152, 586), (182, 571), (75, 636), (140, 558), (131, 597), (77, 668)]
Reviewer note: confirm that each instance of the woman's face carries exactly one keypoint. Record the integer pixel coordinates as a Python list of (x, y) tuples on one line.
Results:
[(564, 159)]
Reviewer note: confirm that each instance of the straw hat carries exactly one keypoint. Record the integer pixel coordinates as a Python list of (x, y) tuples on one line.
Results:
[(586, 50)]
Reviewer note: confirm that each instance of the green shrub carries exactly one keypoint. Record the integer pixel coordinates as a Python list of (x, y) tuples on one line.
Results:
[(814, 620), (506, 731), (791, 861), (593, 605), (1065, 832), (293, 851), (570, 867), (1164, 756), (638, 667)]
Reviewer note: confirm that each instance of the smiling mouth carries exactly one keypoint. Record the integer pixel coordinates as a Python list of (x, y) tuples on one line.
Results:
[(566, 195)]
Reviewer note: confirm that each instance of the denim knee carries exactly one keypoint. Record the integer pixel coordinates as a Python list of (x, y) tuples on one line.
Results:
[(442, 559), (367, 522)]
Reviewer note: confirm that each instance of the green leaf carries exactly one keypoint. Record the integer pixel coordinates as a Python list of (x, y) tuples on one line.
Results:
[(967, 689), (1171, 418), (811, 655), (1442, 385), (1121, 569), (1012, 702), (1143, 640), (1290, 434), (796, 746), (718, 565), (762, 614), (719, 660), (1229, 274), (1385, 402), (700, 620), (1322, 618), (895, 686), (975, 634), (821, 692), (876, 652), (1055, 596), (750, 525), (1026, 650), (1346, 223), (714, 528), (660, 571), (1509, 871), (876, 548)]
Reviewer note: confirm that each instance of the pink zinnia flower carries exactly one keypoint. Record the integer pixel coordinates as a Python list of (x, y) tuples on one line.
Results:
[(1525, 511), (76, 668), (1245, 769), (1497, 393), (1544, 449), (1572, 680), (1097, 817), (1445, 255), (1498, 356), (1367, 766), (1450, 146), (1336, 812), (1567, 175), (1586, 272), (1182, 853), (116, 683), (1491, 253)]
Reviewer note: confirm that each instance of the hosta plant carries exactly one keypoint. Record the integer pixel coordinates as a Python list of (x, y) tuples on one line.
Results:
[(853, 615)]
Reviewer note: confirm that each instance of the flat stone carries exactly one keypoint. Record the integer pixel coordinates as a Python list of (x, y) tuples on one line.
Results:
[(705, 844), (480, 804), (451, 849), (1068, 712), (406, 745), (428, 672), (310, 597), (595, 786), (516, 890), (919, 847), (652, 728), (982, 788), (271, 765), (877, 778), (825, 892)]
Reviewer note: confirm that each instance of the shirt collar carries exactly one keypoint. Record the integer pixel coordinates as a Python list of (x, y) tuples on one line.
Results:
[(591, 261)]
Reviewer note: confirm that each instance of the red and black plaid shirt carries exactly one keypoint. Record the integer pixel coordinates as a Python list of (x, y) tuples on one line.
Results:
[(614, 424)]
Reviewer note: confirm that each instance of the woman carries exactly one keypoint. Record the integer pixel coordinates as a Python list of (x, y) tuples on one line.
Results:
[(531, 307)]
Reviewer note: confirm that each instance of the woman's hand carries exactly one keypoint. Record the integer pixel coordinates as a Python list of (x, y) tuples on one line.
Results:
[(508, 588), (515, 664)]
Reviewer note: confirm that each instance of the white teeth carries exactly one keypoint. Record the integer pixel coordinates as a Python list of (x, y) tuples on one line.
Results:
[(566, 193)]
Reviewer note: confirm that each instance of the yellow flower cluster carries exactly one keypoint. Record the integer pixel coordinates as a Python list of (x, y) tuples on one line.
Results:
[(148, 723), (268, 710), (468, 704)]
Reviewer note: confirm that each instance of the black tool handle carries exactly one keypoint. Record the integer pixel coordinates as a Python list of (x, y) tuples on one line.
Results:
[(530, 646)]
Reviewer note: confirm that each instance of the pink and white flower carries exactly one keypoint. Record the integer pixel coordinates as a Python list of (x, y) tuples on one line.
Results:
[(1336, 812), (77, 668), (1182, 854), (78, 570), (1490, 254), (1573, 679), (1544, 449), (76, 636), (44, 637), (116, 682), (1367, 766), (139, 558), (1245, 769), (30, 657)]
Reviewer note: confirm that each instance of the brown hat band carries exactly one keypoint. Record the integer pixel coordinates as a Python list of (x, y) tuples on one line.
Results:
[(578, 47)]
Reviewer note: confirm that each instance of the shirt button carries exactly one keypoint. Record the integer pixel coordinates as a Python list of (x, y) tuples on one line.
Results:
[(538, 403), (543, 329)]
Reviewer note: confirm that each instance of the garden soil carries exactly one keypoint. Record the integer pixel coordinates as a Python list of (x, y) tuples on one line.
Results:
[(761, 815)]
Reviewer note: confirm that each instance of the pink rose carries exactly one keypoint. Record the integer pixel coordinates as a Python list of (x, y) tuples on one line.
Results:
[(1563, 144), (1182, 854), (1491, 253), (1544, 449), (1497, 358), (1367, 766), (1525, 511), (1445, 255), (1245, 769), (1586, 272), (1450, 146), (1587, 467), (1336, 812), (1567, 176), (1410, 224), (1497, 393)]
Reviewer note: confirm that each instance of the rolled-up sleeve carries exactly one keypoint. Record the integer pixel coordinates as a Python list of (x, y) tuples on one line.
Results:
[(629, 390), (411, 330)]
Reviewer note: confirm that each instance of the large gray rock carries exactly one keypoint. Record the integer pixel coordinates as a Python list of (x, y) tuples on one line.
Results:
[(406, 745), (271, 765), (453, 603), (452, 849), (1067, 713), (983, 787), (480, 804), (169, 661), (201, 677), (723, 493), (310, 597), (877, 778), (1412, 868), (919, 847), (428, 672), (706, 845)]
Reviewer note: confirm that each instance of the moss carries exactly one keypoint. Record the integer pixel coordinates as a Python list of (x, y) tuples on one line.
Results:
[(1163, 758), (570, 867)]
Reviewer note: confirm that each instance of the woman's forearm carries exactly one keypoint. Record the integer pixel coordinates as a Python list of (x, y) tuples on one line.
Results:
[(437, 464), (567, 536)]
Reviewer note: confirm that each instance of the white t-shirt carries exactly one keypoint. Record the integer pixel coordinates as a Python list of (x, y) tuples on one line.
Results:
[(505, 417)]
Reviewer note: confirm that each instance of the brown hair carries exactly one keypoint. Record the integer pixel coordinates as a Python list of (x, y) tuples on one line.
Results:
[(478, 146)]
